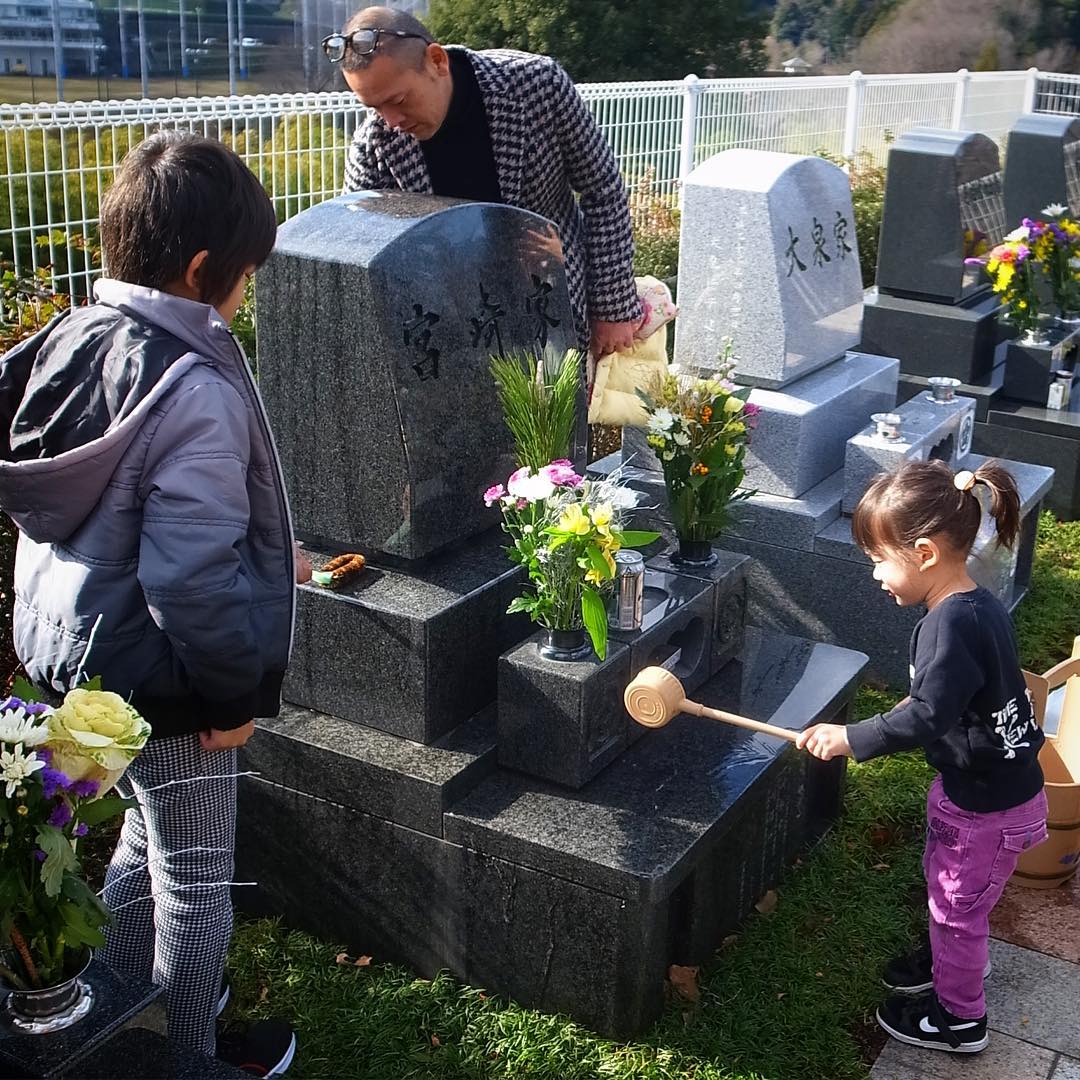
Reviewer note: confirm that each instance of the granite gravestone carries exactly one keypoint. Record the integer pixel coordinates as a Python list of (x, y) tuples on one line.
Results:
[(768, 246), (943, 204), (1042, 166), (378, 316)]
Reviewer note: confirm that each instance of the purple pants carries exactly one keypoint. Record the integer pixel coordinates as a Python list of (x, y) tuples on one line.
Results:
[(969, 857)]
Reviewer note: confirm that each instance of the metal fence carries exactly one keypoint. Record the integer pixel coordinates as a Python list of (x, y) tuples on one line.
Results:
[(57, 159)]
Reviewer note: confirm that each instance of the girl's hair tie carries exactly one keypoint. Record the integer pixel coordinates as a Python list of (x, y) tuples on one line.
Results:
[(964, 481)]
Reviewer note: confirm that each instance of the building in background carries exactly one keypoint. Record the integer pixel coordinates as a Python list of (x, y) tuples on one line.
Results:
[(27, 42)]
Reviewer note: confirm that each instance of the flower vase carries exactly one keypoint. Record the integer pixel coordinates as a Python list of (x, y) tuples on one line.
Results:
[(566, 645), (52, 1008), (694, 553)]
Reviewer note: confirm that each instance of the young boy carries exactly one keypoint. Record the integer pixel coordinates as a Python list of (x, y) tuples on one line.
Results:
[(155, 548)]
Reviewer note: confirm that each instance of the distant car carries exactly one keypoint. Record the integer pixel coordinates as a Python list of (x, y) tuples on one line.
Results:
[(250, 42)]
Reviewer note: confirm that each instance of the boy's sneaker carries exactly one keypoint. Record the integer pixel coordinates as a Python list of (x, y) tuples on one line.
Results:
[(913, 974), (924, 1021), (266, 1048)]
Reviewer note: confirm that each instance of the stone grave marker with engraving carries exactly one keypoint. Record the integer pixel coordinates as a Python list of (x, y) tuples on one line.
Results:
[(1042, 166), (768, 246), (944, 203), (404, 299)]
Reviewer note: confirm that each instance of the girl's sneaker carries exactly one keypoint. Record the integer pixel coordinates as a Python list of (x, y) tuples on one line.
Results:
[(924, 1021), (913, 974), (265, 1049)]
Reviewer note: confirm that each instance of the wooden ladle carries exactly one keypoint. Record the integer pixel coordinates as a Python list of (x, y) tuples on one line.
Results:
[(656, 697)]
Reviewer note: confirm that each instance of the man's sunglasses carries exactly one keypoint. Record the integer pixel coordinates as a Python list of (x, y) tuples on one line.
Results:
[(362, 42)]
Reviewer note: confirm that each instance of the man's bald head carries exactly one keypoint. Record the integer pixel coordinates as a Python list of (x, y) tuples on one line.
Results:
[(407, 51)]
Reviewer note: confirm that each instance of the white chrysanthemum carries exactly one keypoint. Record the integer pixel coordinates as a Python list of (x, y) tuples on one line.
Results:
[(1055, 209), (661, 421), (17, 727), (1021, 232), (531, 488), (15, 767), (682, 439)]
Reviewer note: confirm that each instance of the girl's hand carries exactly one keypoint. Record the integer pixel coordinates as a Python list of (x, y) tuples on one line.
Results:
[(303, 565), (825, 741), (227, 740)]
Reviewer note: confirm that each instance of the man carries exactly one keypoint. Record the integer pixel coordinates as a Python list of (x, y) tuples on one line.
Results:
[(496, 126)]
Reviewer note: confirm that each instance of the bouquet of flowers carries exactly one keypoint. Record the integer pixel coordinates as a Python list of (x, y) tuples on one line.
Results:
[(700, 429), (565, 531), (56, 767), (1056, 246)]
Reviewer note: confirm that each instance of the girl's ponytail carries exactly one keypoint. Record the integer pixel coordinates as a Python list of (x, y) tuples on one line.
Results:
[(1004, 500)]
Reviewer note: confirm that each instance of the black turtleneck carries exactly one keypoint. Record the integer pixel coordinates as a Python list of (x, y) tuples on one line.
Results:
[(459, 157)]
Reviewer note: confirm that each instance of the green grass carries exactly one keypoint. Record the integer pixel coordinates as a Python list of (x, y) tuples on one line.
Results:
[(790, 997)]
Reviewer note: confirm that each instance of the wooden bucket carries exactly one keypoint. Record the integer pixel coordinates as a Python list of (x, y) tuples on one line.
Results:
[(1056, 860)]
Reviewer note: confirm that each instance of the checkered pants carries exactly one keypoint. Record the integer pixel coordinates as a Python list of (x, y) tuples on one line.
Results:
[(178, 938)]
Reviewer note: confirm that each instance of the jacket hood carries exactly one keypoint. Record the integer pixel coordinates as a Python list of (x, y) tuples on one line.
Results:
[(74, 396)]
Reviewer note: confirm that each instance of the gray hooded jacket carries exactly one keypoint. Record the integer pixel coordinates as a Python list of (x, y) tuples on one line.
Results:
[(137, 461)]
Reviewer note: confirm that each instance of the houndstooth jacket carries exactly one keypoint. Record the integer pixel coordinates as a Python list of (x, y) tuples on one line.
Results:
[(546, 146)]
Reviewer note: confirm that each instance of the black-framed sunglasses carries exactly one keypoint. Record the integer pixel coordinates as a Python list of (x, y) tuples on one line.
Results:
[(362, 42)]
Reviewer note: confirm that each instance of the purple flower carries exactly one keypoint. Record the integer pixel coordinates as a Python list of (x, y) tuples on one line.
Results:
[(13, 703), (40, 855), (561, 474), (494, 494), (82, 829), (975, 262), (53, 781), (36, 708), (60, 816), (85, 789), (750, 409)]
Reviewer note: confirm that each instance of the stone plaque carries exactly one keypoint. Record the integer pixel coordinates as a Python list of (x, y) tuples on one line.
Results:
[(1042, 166), (768, 256), (377, 317), (943, 203)]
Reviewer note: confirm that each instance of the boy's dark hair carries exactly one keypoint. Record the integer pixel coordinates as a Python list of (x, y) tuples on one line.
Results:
[(922, 498), (174, 195)]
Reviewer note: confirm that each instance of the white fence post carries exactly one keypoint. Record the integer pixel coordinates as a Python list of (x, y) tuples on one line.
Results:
[(963, 81), (1031, 90), (691, 90), (856, 91)]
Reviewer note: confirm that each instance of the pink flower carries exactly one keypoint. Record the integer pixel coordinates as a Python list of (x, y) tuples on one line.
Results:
[(561, 473), (750, 410), (494, 494)]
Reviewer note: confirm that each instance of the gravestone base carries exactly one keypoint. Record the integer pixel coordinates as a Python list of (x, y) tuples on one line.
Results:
[(1023, 432), (1030, 369), (807, 576), (409, 651), (956, 340), (568, 901)]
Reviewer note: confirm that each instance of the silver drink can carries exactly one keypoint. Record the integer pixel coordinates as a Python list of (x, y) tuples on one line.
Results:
[(626, 605)]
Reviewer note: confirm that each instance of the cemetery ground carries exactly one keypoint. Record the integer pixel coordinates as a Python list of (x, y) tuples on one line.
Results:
[(791, 996)]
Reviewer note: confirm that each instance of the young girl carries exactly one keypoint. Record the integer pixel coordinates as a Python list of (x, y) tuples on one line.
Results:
[(970, 711)]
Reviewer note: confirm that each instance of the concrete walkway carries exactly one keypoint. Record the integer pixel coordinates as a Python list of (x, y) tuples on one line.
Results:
[(1033, 998)]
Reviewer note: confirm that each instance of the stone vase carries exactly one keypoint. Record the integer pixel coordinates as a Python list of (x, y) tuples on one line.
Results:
[(52, 1008), (566, 645), (698, 554)]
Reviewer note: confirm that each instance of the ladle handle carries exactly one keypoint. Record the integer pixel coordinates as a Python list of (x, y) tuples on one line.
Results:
[(739, 721)]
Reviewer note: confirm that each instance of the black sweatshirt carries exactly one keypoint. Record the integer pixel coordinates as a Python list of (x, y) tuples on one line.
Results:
[(969, 707)]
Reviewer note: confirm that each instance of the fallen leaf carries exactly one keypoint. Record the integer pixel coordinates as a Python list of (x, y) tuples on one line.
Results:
[(880, 866), (730, 940), (767, 903), (264, 993), (1025, 1019), (343, 959), (781, 996), (435, 1040), (684, 982), (820, 974), (362, 961)]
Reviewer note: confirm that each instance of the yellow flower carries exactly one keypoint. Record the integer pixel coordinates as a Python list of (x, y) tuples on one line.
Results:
[(22, 810), (95, 735), (602, 515), (732, 405), (594, 578), (737, 428), (731, 450), (1022, 305), (574, 520)]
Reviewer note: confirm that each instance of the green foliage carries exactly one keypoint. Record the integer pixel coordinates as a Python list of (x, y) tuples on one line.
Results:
[(868, 201), (1046, 621), (839, 25), (989, 57), (656, 229), (603, 40), (539, 403)]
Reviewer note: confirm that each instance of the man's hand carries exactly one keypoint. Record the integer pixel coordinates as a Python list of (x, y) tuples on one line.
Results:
[(825, 741), (227, 740), (609, 337), (303, 565)]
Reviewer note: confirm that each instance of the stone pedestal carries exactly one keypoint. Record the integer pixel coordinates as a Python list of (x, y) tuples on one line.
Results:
[(1030, 369), (956, 340), (568, 901), (411, 651)]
